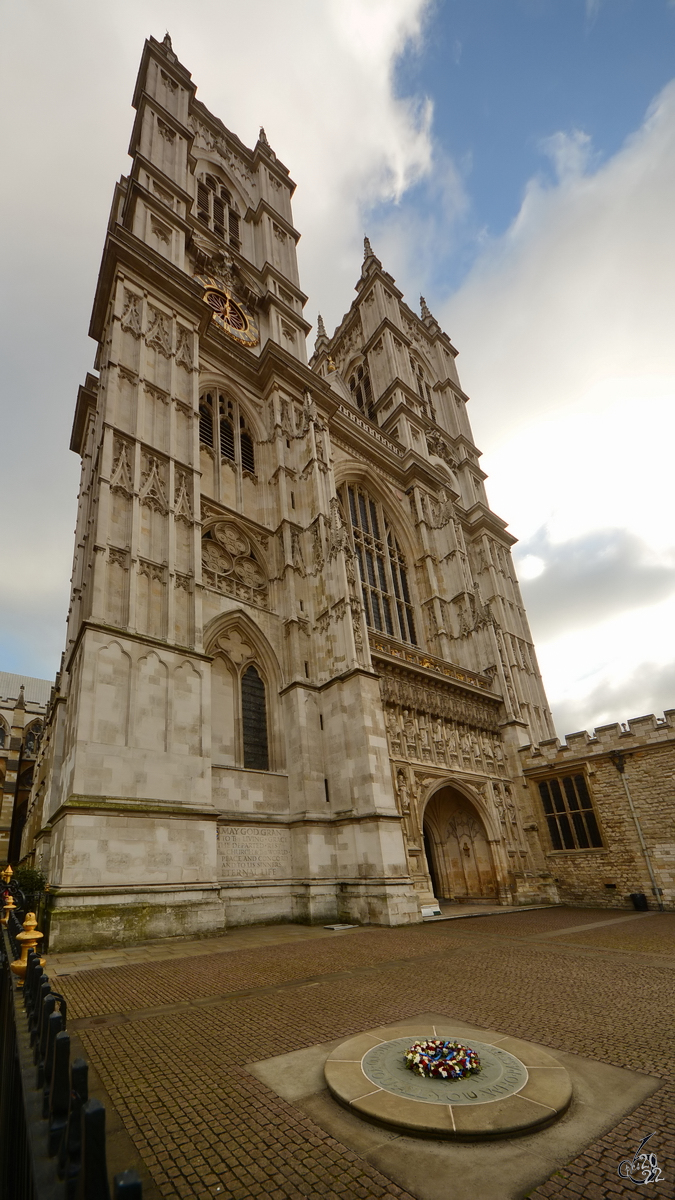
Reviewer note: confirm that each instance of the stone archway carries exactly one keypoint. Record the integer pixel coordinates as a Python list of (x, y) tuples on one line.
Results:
[(462, 866)]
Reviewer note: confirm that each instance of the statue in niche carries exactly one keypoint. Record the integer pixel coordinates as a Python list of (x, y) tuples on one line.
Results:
[(465, 743), (393, 731), (410, 734), (451, 743), (499, 757), (424, 741), (488, 755), (403, 792), (476, 750), (439, 740)]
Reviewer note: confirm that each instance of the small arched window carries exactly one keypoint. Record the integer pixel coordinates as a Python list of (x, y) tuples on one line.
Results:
[(362, 394), (382, 567), (33, 739), (229, 436), (3, 735), (254, 720), (217, 210)]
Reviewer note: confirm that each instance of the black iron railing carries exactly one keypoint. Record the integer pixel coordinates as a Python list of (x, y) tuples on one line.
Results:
[(52, 1136)]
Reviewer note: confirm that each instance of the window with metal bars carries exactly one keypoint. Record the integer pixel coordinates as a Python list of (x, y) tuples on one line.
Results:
[(568, 808), (229, 435), (382, 567), (362, 394), (217, 210), (254, 720)]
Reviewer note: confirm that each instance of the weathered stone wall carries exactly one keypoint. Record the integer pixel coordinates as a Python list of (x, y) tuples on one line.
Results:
[(608, 876)]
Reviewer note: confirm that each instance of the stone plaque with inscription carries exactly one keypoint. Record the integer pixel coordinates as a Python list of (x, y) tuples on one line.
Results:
[(255, 852)]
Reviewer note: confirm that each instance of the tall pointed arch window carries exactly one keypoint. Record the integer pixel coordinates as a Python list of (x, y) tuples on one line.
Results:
[(254, 720), (217, 210), (382, 566), (362, 393), (223, 427), (423, 388)]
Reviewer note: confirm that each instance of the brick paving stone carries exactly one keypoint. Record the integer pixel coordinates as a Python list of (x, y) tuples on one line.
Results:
[(179, 1083)]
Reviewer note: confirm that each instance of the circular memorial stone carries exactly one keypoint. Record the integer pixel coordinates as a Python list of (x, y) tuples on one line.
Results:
[(521, 1087), (501, 1075)]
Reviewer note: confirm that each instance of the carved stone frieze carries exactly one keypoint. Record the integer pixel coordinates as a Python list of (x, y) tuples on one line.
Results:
[(159, 332), (182, 509), (121, 478), (131, 320), (229, 565), (184, 356), (153, 485)]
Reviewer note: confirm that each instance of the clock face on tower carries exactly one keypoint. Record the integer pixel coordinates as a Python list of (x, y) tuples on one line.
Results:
[(229, 313)]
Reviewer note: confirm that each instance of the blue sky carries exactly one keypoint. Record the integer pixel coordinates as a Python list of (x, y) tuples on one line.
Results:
[(513, 160), (505, 75)]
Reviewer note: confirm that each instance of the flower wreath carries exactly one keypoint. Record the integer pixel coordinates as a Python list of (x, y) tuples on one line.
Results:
[(438, 1059)]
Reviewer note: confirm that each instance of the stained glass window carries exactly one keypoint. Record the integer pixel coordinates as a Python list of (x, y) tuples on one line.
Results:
[(254, 720)]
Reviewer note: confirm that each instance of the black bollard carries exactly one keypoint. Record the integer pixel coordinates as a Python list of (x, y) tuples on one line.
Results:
[(59, 1093), (127, 1186), (92, 1183)]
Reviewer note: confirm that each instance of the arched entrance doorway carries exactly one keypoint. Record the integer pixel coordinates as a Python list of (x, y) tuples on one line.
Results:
[(458, 853)]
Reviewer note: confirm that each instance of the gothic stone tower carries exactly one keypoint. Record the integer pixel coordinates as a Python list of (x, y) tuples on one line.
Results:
[(298, 667)]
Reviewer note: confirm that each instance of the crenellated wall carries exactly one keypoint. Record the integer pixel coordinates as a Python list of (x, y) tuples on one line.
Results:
[(606, 875)]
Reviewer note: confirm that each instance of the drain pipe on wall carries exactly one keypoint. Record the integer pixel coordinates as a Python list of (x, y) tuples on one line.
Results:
[(619, 761)]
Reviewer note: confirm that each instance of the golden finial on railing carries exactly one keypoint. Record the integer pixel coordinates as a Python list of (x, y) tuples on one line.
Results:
[(6, 875), (28, 940), (9, 906)]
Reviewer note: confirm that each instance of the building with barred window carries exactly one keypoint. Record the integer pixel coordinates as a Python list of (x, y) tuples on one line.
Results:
[(298, 677)]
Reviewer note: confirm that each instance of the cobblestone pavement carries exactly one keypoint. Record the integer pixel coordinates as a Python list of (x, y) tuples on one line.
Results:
[(170, 1039)]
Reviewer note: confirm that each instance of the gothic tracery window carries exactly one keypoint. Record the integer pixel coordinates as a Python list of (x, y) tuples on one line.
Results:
[(3, 734), (382, 567), (217, 210), (33, 738), (254, 720), (362, 394), (224, 429)]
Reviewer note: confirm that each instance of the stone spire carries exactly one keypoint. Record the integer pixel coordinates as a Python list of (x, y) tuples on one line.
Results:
[(370, 258), (321, 342), (427, 316)]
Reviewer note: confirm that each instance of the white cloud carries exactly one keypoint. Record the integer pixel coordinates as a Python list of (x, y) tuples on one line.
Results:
[(565, 331)]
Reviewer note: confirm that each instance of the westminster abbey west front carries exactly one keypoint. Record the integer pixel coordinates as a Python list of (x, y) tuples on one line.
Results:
[(298, 670)]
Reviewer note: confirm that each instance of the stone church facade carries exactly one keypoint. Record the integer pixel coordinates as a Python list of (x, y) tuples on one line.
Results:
[(298, 673)]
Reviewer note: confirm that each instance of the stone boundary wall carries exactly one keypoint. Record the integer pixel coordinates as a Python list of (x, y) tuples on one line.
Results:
[(607, 876)]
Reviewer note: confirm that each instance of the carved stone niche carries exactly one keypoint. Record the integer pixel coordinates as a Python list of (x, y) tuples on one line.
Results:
[(230, 565)]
